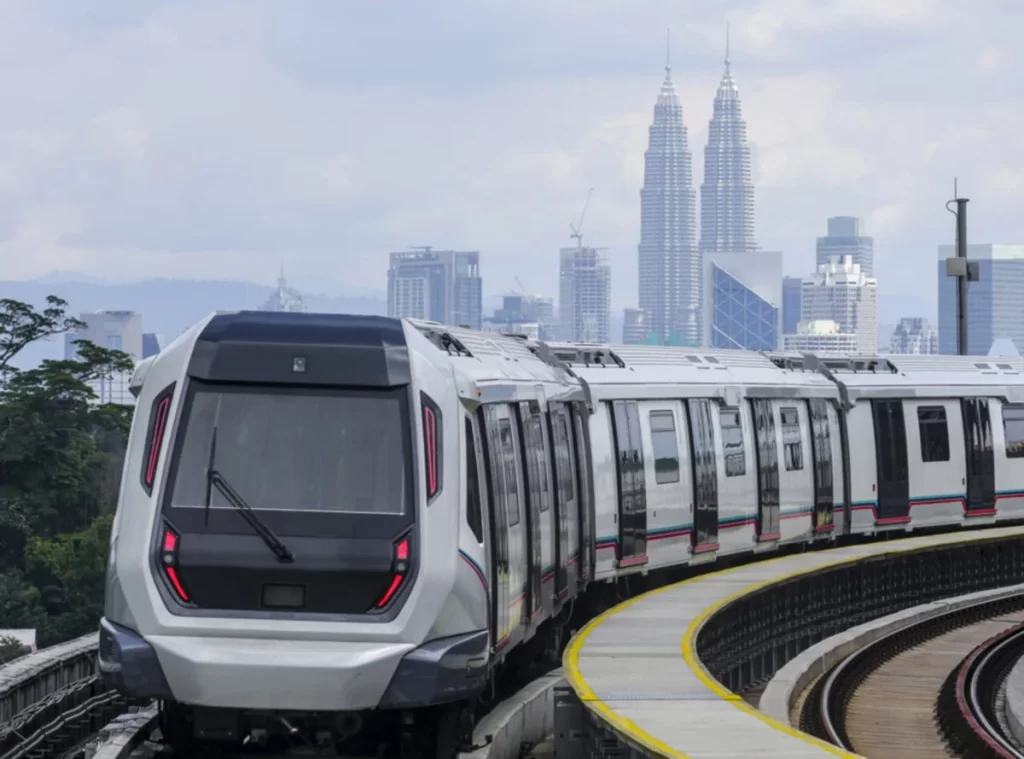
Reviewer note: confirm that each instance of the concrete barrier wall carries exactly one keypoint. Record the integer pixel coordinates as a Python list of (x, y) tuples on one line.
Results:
[(527, 717)]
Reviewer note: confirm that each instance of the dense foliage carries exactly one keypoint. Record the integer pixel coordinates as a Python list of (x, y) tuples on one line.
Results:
[(60, 469)]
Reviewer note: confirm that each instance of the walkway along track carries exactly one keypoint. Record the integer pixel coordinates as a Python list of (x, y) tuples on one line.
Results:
[(968, 707), (883, 701)]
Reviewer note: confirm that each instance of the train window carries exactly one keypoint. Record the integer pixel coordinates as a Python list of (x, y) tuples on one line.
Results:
[(1013, 429), (792, 445), (732, 442), (508, 465), (474, 512), (666, 447), (931, 422)]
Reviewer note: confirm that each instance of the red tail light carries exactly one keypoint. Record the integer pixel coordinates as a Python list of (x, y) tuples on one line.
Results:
[(155, 437), (430, 431), (433, 448), (169, 557), (400, 569)]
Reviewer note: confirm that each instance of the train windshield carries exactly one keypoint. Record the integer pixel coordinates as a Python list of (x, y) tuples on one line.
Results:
[(295, 450)]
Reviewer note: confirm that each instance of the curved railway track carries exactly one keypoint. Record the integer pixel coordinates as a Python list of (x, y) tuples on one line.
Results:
[(970, 702), (883, 701)]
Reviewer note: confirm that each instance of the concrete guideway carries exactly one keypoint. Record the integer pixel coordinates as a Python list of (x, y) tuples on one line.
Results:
[(636, 667)]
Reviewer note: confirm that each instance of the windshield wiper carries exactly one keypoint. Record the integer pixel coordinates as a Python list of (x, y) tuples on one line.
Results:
[(216, 479), (209, 478)]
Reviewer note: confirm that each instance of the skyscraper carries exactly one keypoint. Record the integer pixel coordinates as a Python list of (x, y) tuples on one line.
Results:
[(844, 238), (840, 292), (584, 296), (995, 309), (443, 286), (669, 276), (791, 289), (114, 330), (727, 194), (742, 299)]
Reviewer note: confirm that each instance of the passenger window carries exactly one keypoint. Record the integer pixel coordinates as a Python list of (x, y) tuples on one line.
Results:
[(732, 442), (1013, 429), (474, 513), (666, 447), (508, 465), (792, 446), (931, 422)]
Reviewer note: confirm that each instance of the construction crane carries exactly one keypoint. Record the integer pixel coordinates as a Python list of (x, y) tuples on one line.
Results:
[(522, 290), (577, 229)]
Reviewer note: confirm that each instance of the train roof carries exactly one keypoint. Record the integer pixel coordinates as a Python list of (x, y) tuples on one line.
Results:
[(483, 357), (495, 356)]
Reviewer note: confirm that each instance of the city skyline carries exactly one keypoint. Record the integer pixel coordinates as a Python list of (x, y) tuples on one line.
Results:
[(258, 161)]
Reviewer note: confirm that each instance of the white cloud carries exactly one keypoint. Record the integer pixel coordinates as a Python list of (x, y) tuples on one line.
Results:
[(200, 140)]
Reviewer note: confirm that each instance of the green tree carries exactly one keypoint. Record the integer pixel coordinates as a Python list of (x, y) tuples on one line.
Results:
[(69, 570), (60, 465)]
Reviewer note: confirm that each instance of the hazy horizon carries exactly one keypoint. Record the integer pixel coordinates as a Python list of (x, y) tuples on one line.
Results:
[(217, 141)]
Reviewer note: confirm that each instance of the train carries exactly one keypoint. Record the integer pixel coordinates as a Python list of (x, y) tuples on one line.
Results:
[(333, 528)]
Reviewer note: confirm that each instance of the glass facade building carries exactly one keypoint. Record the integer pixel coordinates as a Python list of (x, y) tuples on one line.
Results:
[(792, 288), (741, 318), (995, 308), (743, 300)]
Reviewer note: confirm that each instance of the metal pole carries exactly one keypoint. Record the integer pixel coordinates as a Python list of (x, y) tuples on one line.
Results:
[(961, 295)]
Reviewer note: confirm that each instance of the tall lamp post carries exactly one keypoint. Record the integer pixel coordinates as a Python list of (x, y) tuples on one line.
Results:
[(965, 271)]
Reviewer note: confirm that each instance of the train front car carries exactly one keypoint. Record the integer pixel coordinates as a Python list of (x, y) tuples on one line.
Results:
[(283, 561)]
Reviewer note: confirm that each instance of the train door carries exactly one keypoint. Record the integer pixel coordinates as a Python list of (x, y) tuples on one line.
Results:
[(529, 444), (891, 458), (579, 437), (477, 509), (981, 477), (767, 449), (821, 452), (705, 477), (499, 553), (632, 485), (566, 503)]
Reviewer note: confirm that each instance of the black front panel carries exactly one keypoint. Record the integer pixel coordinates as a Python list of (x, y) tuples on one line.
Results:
[(891, 455), (335, 350), (821, 452), (326, 472), (981, 478), (705, 476), (767, 450)]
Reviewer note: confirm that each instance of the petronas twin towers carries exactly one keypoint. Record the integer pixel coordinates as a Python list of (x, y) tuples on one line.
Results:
[(669, 254)]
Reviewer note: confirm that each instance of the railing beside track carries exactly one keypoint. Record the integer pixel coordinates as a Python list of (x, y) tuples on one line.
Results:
[(53, 698), (745, 642)]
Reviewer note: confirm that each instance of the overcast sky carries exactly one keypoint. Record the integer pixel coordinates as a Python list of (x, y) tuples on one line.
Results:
[(216, 139)]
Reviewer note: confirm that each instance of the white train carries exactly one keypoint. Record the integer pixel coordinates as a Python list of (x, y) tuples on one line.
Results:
[(328, 522)]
